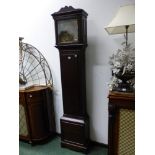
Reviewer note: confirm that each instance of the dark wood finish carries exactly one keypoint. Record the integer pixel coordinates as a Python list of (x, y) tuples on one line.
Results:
[(68, 13), (75, 121), (117, 101), (39, 112), (74, 134)]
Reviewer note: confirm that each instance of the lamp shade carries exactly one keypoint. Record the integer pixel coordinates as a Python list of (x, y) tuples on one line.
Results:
[(124, 17)]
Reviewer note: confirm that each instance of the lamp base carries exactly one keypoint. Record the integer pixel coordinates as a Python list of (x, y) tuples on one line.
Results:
[(124, 87)]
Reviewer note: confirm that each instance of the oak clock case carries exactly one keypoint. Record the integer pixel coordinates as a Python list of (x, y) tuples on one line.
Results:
[(71, 41), (36, 111)]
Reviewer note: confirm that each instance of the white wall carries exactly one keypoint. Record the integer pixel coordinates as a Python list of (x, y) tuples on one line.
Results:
[(37, 27)]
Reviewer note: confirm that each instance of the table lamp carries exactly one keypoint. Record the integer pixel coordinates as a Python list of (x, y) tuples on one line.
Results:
[(123, 61)]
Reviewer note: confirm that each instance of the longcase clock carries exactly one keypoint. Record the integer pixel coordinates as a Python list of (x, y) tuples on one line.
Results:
[(71, 41)]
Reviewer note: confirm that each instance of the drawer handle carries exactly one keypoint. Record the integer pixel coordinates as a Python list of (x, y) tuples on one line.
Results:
[(30, 96), (75, 55), (69, 57)]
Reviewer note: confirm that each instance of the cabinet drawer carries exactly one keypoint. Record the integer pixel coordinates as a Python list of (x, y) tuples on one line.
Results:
[(34, 96)]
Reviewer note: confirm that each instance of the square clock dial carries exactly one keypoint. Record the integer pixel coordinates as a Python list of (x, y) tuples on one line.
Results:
[(68, 31)]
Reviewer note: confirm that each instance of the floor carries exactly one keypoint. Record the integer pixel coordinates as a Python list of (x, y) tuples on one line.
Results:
[(53, 148)]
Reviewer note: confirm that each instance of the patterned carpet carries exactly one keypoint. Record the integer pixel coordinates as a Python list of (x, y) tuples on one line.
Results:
[(53, 148)]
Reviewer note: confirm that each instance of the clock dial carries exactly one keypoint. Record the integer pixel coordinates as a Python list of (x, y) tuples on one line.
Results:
[(68, 31)]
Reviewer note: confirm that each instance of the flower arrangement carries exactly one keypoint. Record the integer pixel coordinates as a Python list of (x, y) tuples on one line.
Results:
[(123, 66)]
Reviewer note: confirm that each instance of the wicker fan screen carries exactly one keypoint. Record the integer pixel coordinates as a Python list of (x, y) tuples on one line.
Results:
[(33, 67)]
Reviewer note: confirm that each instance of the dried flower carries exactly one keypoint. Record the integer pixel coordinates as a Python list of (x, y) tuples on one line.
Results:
[(123, 62)]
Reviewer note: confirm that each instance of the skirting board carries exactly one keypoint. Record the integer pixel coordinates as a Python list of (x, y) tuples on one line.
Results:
[(92, 143)]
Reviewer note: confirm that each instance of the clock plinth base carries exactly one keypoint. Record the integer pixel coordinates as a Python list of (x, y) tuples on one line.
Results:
[(75, 133)]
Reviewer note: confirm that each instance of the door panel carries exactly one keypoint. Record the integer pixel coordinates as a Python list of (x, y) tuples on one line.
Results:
[(37, 120), (70, 83)]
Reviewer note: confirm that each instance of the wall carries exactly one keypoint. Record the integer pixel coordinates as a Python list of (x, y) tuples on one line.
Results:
[(37, 27)]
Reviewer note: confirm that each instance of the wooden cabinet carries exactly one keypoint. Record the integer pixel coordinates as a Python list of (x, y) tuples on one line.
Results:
[(36, 113), (121, 137), (71, 41)]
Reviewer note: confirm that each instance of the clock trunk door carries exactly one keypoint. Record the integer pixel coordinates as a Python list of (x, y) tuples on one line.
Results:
[(71, 83)]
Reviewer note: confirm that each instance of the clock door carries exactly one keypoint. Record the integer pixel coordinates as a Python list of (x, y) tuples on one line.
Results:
[(67, 31), (70, 83)]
